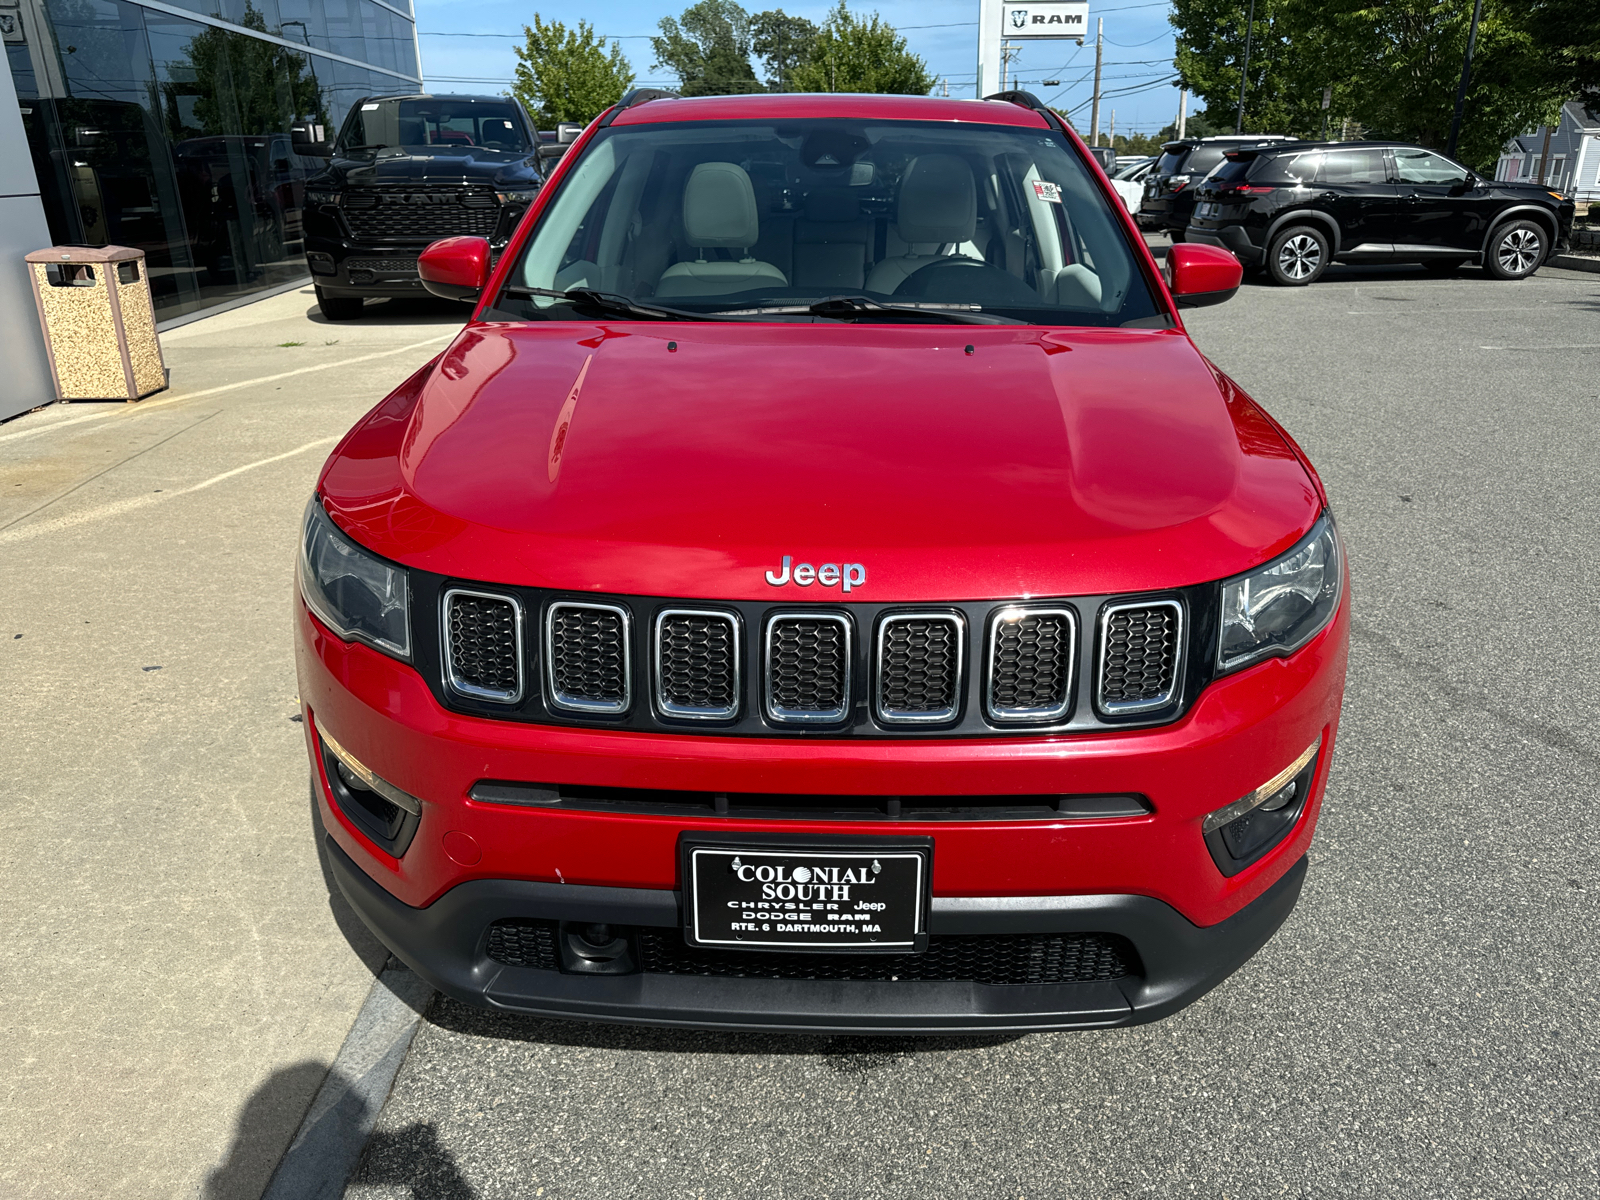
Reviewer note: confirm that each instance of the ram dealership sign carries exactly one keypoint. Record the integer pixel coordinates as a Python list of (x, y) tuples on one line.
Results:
[(1046, 19)]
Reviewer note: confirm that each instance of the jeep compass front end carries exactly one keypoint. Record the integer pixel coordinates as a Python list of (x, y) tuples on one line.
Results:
[(823, 588)]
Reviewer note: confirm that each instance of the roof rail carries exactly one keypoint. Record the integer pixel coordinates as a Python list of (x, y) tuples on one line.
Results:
[(637, 96), (1029, 100)]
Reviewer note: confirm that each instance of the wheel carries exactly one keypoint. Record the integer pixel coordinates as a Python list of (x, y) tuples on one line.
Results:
[(1443, 266), (1515, 250), (339, 308), (1298, 256)]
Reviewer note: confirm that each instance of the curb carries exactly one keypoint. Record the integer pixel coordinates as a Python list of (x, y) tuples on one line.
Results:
[(328, 1144), (1574, 262)]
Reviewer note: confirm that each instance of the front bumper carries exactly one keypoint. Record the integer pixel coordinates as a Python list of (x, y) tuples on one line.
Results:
[(445, 943), (1232, 238)]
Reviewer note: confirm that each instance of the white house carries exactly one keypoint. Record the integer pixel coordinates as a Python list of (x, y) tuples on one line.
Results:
[(1574, 165)]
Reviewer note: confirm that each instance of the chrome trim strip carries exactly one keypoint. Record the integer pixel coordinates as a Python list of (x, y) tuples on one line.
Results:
[(469, 689), (1263, 793), (367, 776), (1038, 714), (685, 711), (806, 716), (1118, 708), (559, 699), (883, 715)]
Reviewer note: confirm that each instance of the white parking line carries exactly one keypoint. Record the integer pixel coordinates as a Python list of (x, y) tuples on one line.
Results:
[(1542, 349), (118, 507)]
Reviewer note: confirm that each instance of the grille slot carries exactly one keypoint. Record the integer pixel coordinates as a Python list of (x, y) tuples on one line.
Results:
[(521, 942), (919, 668), (588, 657), (383, 266), (483, 645), (1141, 648), (697, 664), (420, 214), (1003, 959), (1031, 654), (808, 669)]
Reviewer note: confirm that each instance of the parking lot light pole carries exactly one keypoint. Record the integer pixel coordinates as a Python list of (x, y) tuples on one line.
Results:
[(1466, 76), (1244, 73)]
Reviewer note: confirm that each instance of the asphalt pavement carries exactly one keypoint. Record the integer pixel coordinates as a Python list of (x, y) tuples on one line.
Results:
[(1424, 1024)]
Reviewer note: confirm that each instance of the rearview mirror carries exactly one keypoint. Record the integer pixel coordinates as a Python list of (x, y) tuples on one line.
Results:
[(1200, 275), (456, 268)]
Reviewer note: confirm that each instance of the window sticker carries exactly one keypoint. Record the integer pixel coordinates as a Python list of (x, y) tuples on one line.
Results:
[(1050, 193), (368, 107)]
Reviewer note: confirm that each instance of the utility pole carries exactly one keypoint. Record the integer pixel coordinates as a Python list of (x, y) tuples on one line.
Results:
[(1094, 111), (1244, 73), (1466, 75), (1113, 137), (1544, 157), (1183, 112)]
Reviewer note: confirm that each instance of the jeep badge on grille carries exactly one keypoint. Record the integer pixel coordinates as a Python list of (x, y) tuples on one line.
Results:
[(851, 575)]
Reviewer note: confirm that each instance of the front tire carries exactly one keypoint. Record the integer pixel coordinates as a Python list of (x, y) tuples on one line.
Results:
[(1298, 256), (1515, 250), (339, 308)]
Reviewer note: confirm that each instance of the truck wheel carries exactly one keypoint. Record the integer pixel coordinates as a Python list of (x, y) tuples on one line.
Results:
[(339, 308), (1515, 250), (1297, 256)]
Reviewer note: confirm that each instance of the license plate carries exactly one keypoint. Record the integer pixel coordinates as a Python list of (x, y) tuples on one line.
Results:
[(1206, 210), (868, 895)]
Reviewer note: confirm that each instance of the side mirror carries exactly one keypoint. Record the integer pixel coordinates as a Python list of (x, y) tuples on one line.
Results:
[(1199, 275), (310, 140), (549, 151), (1106, 156), (567, 132), (456, 268)]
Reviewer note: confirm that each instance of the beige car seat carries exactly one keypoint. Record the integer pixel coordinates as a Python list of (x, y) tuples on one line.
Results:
[(938, 207), (719, 212)]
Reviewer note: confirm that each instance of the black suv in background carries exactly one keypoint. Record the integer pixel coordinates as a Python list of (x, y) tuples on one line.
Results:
[(1294, 209), (406, 171), (1169, 187)]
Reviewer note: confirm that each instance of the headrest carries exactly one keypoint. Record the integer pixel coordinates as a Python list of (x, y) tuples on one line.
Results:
[(832, 206), (719, 207), (938, 200)]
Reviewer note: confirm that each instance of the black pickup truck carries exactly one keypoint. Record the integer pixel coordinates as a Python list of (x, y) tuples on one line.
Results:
[(408, 170)]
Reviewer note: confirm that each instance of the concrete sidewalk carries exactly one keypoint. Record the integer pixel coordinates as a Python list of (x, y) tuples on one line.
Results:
[(174, 975)]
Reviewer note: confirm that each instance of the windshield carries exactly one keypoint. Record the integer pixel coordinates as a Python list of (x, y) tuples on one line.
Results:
[(436, 126), (735, 217)]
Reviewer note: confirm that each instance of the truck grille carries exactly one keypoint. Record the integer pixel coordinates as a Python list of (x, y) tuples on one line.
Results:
[(1139, 655), (808, 669), (420, 214), (697, 664), (1030, 664), (483, 645), (588, 657), (919, 667)]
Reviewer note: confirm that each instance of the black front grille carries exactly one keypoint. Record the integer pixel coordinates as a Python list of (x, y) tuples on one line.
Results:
[(482, 638), (1022, 958), (697, 664), (524, 943), (919, 668), (1030, 661), (1139, 657), (808, 669), (588, 657), (420, 214), (383, 266)]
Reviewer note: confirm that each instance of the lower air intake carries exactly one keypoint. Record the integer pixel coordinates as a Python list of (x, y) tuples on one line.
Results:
[(1139, 654), (524, 943)]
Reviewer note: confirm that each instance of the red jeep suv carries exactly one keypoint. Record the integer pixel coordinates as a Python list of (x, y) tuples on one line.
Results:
[(822, 588)]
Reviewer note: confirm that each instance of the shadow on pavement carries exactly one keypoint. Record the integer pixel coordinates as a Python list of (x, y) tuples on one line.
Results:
[(372, 953), (845, 1053), (399, 310)]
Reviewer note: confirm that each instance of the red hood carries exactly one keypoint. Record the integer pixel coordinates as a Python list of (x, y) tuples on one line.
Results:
[(600, 458)]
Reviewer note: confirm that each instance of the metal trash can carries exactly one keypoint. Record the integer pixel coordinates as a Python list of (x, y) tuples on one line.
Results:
[(99, 322)]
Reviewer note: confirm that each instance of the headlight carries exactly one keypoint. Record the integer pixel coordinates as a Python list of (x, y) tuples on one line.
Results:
[(1278, 608), (516, 197), (353, 593), (319, 196)]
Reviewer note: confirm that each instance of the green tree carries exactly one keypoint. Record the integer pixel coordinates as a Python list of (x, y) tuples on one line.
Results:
[(782, 43), (853, 54), (567, 74), (708, 48), (1566, 39), (1287, 70)]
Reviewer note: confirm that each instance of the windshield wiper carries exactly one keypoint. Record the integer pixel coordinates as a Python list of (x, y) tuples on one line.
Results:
[(850, 308), (611, 302)]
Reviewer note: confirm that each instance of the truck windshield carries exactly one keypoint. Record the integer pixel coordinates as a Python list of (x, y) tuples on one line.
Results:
[(760, 217), (433, 126)]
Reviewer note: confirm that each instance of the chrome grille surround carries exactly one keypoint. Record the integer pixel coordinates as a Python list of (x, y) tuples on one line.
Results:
[(1171, 672), (660, 665), (1005, 628), (889, 627), (448, 638), (839, 682), (558, 672)]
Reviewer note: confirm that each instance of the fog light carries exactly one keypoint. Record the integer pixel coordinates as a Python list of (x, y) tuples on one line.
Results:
[(321, 264), (1245, 830), (596, 949)]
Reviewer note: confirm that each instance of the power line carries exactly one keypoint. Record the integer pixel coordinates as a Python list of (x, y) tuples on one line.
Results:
[(634, 37)]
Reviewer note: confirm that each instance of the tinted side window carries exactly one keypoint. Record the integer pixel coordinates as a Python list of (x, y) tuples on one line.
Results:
[(1287, 168), (1233, 171), (1203, 159), (1352, 166), (1423, 166), (1171, 161)]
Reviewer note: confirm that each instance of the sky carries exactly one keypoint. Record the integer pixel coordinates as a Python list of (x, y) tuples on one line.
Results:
[(1138, 48)]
